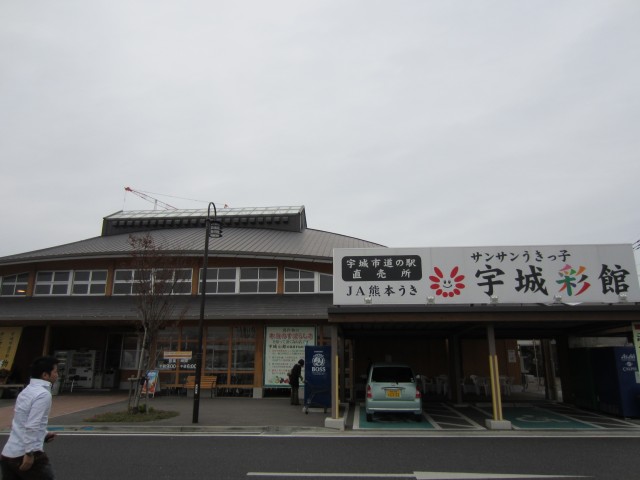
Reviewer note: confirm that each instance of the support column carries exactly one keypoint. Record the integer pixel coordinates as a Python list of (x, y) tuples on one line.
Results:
[(550, 387), (497, 422), (46, 345), (335, 421), (565, 394), (455, 368)]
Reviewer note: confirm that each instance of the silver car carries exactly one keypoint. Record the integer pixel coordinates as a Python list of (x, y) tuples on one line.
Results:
[(392, 387)]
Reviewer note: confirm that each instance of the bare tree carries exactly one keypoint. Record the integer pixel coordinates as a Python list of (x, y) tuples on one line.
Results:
[(156, 280)]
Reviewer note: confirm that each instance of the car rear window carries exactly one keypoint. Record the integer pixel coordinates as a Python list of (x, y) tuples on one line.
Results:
[(391, 374)]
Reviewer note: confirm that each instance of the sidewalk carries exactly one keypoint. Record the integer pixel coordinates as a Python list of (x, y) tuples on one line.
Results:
[(244, 415), (70, 411)]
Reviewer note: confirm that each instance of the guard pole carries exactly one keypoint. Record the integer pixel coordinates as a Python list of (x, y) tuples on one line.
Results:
[(496, 398)]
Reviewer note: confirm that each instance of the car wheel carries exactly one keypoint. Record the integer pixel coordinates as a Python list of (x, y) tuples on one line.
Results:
[(369, 417)]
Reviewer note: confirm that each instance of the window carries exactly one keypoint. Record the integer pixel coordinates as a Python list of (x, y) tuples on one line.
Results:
[(240, 280), (230, 354), (258, 280), (298, 281), (326, 283), (53, 283), (219, 280), (303, 281), (167, 341), (179, 280), (129, 282), (217, 356), (14, 285), (130, 352), (244, 343), (89, 282), (123, 282)]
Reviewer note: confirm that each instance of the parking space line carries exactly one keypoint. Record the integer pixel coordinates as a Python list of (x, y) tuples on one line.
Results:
[(449, 418), (435, 424)]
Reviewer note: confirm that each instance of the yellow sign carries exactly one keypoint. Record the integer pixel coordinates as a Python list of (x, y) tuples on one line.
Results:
[(9, 339), (177, 355)]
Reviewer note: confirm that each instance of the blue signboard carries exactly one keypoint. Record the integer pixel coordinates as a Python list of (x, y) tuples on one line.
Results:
[(317, 376)]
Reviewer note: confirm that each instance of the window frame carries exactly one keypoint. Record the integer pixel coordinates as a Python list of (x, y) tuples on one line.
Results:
[(316, 279), (53, 283), (217, 281), (265, 279), (135, 274), (90, 283), (15, 281)]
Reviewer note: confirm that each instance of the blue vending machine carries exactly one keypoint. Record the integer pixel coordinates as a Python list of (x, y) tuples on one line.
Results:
[(615, 374), (317, 377)]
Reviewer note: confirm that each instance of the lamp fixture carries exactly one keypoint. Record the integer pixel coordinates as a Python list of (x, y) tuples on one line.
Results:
[(494, 299), (622, 297), (431, 300), (368, 300), (557, 298)]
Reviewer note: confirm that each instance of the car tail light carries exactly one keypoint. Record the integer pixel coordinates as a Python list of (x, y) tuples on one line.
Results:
[(418, 393), (369, 392)]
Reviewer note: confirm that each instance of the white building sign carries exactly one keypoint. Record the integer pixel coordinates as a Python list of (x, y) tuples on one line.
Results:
[(484, 275)]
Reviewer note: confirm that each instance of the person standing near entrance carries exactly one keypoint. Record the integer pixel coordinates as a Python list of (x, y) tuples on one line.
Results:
[(23, 456), (294, 380)]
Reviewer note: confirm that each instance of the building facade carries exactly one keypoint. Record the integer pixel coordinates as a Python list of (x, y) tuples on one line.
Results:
[(270, 291), (269, 283)]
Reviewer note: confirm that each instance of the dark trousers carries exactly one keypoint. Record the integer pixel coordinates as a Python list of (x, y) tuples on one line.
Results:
[(40, 470), (295, 400)]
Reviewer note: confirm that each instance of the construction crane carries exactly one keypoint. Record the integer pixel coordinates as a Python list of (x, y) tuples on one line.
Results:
[(153, 200)]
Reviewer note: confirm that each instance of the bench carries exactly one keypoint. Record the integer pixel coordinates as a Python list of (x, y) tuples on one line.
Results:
[(207, 382)]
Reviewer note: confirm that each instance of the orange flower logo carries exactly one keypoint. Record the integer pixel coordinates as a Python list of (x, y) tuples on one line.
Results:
[(447, 287)]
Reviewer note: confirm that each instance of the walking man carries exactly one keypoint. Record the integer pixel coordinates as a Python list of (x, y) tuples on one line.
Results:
[(294, 381), (23, 456)]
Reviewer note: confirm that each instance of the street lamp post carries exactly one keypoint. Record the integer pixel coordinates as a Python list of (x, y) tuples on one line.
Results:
[(213, 230)]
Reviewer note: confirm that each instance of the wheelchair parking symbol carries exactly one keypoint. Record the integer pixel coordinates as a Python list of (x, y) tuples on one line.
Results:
[(537, 418)]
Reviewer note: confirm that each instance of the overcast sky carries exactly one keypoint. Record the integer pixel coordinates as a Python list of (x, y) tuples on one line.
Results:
[(406, 123)]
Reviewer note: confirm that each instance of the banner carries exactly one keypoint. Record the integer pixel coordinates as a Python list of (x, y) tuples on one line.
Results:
[(317, 377), (152, 385), (485, 275), (284, 346), (636, 343), (9, 339)]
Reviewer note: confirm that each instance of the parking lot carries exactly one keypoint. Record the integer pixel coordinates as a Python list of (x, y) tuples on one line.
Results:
[(523, 416)]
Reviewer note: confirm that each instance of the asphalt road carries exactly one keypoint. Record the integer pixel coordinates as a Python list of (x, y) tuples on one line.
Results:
[(277, 457)]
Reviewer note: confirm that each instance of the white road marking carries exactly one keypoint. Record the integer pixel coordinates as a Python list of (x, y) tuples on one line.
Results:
[(415, 475)]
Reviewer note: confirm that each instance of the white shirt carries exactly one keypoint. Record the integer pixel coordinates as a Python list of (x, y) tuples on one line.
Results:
[(30, 418)]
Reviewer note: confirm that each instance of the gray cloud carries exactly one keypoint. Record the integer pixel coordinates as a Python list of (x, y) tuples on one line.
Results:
[(408, 124)]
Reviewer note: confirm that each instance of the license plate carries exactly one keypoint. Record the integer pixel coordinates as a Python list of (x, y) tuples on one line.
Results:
[(393, 393)]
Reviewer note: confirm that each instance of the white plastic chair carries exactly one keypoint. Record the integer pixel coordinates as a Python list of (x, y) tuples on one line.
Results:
[(505, 385)]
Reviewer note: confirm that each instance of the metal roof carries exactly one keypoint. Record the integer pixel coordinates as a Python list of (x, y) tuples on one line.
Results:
[(122, 309), (307, 245), (470, 321), (291, 219)]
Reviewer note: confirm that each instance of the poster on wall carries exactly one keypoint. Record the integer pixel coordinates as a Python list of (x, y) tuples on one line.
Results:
[(485, 275), (9, 339), (284, 346)]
